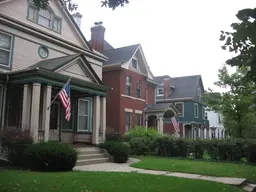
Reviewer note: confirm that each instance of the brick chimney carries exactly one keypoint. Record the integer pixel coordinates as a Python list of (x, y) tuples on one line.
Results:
[(97, 37), (167, 87)]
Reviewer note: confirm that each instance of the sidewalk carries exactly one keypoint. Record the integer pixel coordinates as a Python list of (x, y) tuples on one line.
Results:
[(125, 167)]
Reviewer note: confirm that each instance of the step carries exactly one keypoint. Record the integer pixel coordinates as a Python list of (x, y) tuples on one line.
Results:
[(92, 161), (90, 156), (85, 151), (250, 187)]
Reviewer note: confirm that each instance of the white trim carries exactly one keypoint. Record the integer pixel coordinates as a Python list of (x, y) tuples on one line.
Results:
[(88, 116), (9, 51), (203, 114), (181, 115), (128, 110), (135, 98), (138, 111), (195, 107)]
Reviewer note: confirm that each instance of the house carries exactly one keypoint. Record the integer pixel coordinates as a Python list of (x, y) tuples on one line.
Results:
[(39, 51), (132, 86), (216, 128), (186, 94)]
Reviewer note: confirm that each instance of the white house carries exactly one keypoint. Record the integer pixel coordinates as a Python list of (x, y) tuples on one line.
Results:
[(217, 129)]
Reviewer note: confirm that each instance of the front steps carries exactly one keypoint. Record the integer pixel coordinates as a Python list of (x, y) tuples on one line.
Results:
[(91, 155)]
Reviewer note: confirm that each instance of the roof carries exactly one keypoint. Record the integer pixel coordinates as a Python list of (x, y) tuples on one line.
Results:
[(120, 55), (107, 45), (56, 63), (161, 107), (184, 87)]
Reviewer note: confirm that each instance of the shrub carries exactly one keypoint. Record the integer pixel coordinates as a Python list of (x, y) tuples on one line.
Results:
[(250, 150), (119, 150), (139, 146), (15, 141), (140, 131), (199, 149), (50, 157)]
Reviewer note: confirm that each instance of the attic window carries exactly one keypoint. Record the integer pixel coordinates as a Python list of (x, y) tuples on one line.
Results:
[(160, 92), (134, 63)]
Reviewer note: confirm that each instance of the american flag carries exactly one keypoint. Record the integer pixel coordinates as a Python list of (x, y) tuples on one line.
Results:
[(175, 124), (64, 96)]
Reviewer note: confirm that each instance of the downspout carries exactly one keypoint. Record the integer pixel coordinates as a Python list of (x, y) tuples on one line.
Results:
[(4, 102)]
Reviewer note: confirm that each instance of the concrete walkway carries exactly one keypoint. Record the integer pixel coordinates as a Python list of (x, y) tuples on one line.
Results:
[(125, 167)]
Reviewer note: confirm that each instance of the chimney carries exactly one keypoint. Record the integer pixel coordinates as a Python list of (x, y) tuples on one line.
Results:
[(97, 37), (77, 17), (167, 87)]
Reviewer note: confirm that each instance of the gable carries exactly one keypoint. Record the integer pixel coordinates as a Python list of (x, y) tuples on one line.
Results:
[(18, 10), (78, 69)]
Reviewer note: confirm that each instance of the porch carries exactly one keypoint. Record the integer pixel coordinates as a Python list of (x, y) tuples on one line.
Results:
[(26, 104), (194, 130)]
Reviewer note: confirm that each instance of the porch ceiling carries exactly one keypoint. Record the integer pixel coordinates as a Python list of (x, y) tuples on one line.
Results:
[(43, 76)]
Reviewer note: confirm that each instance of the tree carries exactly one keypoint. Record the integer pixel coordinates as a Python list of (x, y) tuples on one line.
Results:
[(242, 40), (234, 105), (71, 6)]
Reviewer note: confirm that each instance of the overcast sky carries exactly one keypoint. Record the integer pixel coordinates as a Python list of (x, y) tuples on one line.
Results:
[(178, 38)]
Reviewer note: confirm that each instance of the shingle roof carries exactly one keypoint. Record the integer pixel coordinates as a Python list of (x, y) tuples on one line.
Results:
[(183, 86), (120, 55), (157, 107), (107, 45), (53, 64)]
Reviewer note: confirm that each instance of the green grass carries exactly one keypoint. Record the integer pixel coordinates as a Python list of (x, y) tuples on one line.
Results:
[(199, 167), (15, 181)]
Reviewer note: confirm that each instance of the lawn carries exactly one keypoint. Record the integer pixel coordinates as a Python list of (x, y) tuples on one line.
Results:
[(200, 167), (15, 181)]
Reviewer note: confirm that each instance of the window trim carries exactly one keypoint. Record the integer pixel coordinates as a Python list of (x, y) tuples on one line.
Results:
[(136, 63), (9, 66), (30, 5), (203, 110), (89, 129), (195, 108), (157, 91), (181, 115)]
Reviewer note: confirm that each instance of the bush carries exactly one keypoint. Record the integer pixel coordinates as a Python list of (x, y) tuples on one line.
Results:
[(140, 131), (250, 150), (139, 146), (15, 141), (119, 150), (50, 157)]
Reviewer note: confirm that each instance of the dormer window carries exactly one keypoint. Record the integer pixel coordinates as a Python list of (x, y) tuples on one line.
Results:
[(160, 92), (199, 94), (134, 63), (45, 18)]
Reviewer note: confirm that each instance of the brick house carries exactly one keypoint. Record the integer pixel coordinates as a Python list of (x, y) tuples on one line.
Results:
[(186, 94), (133, 87)]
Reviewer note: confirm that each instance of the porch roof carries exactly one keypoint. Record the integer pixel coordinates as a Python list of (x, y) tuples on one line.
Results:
[(45, 76), (160, 107)]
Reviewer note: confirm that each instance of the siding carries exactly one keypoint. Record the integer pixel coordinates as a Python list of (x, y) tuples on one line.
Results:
[(17, 9), (96, 65)]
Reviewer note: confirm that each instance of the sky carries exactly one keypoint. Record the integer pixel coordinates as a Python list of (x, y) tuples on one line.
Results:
[(178, 38)]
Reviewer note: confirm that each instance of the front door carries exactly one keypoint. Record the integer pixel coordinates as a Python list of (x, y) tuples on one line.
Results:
[(54, 121)]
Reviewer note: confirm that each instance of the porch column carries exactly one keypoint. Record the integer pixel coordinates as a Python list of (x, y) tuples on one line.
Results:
[(35, 111), (96, 120), (26, 105), (46, 112), (205, 133), (193, 129), (210, 133), (103, 118), (199, 132), (146, 122), (161, 124)]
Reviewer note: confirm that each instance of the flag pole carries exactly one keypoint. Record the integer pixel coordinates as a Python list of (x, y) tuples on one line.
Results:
[(58, 93)]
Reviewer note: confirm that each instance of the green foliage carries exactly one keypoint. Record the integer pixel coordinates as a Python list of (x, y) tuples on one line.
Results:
[(139, 145), (15, 142), (50, 156), (71, 6), (141, 131), (242, 41), (119, 150)]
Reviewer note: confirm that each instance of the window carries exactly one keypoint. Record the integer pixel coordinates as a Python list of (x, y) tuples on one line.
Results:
[(56, 25), (160, 91), (128, 85), (134, 63), (203, 112), (196, 110), (206, 115), (138, 119), (44, 18), (128, 120), (83, 115), (43, 52), (138, 92), (5, 49), (180, 107), (199, 93)]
